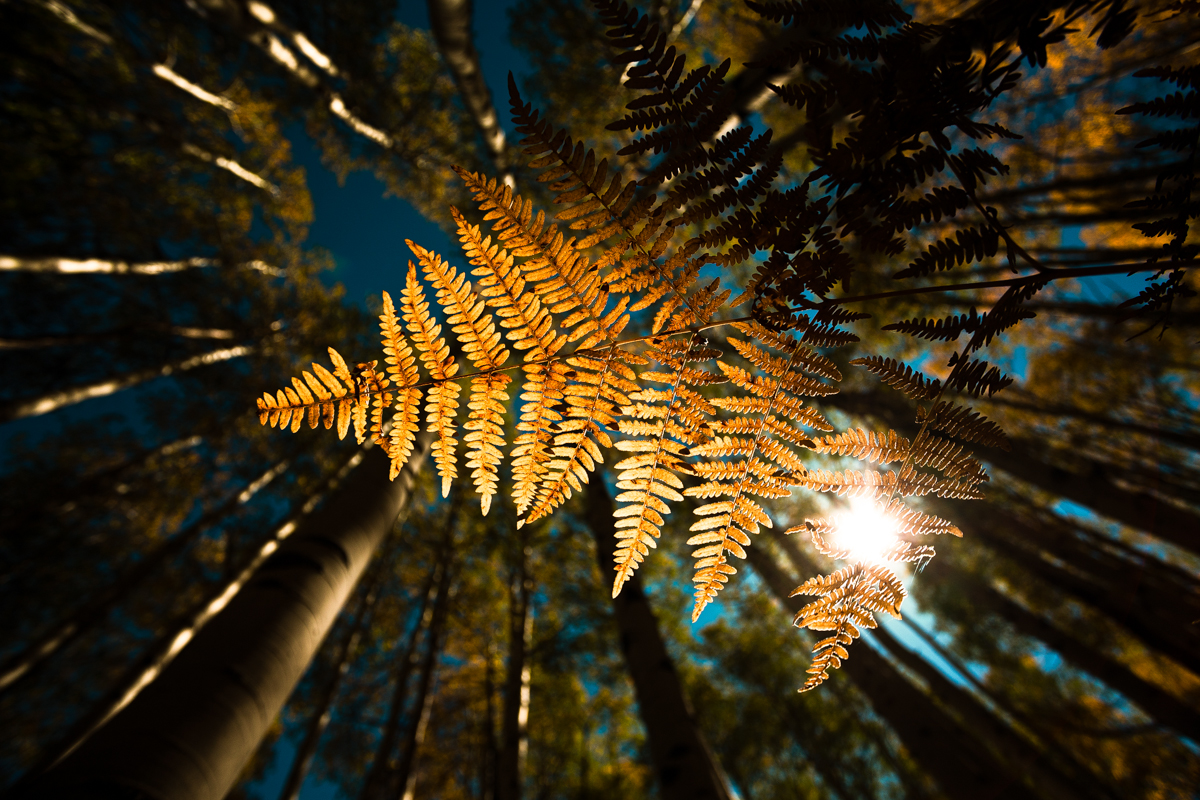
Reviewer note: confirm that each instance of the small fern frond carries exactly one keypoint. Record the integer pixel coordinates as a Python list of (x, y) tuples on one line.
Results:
[(847, 601), (531, 330), (373, 384), (910, 382), (442, 404), (865, 445)]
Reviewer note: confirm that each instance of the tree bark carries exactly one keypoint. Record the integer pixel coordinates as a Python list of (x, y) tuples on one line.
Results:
[(684, 765), (1130, 602), (189, 734), (514, 725), (147, 668), (53, 401), (949, 753), (25, 664), (324, 701)]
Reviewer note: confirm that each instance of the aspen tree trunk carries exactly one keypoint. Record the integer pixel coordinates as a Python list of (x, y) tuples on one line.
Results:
[(514, 726), (1097, 491), (1022, 757), (188, 735), (451, 24), (92, 483), (324, 701), (1155, 624), (52, 401), (130, 332), (406, 661), (1155, 701), (962, 768), (147, 668), (406, 777), (1181, 438), (684, 765), (73, 266), (24, 664)]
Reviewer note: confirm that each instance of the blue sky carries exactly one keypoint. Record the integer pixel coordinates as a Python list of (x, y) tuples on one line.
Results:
[(364, 230)]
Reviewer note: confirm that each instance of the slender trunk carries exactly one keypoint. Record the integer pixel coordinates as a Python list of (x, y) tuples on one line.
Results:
[(24, 664), (323, 706), (451, 24), (1181, 438), (684, 765), (414, 735), (92, 483), (1095, 489), (406, 661), (1039, 768), (128, 332), (1130, 602), (230, 166), (945, 750), (188, 735), (1140, 580), (68, 266), (1157, 703), (52, 401), (263, 29), (168, 645), (514, 726), (491, 751)]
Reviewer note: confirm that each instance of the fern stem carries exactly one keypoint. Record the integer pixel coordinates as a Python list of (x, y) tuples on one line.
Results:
[(1054, 275)]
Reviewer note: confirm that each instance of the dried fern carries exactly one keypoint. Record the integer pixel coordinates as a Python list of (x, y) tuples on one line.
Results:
[(604, 304)]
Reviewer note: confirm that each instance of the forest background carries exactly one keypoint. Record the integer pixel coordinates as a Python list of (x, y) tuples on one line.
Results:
[(166, 192)]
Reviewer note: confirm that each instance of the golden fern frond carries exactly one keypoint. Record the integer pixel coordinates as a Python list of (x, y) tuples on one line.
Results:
[(766, 466), (467, 315), (911, 382), (805, 356), (599, 388), (952, 459), (442, 402), (847, 601), (402, 367), (529, 326), (911, 522), (852, 483), (563, 278), (325, 395), (666, 423)]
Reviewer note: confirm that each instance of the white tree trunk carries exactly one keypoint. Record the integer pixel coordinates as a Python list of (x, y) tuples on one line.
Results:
[(189, 734)]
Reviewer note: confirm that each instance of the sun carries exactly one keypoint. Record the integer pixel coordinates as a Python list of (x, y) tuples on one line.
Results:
[(866, 532)]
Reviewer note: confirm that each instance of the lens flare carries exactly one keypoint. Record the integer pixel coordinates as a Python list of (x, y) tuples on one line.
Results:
[(866, 532)]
